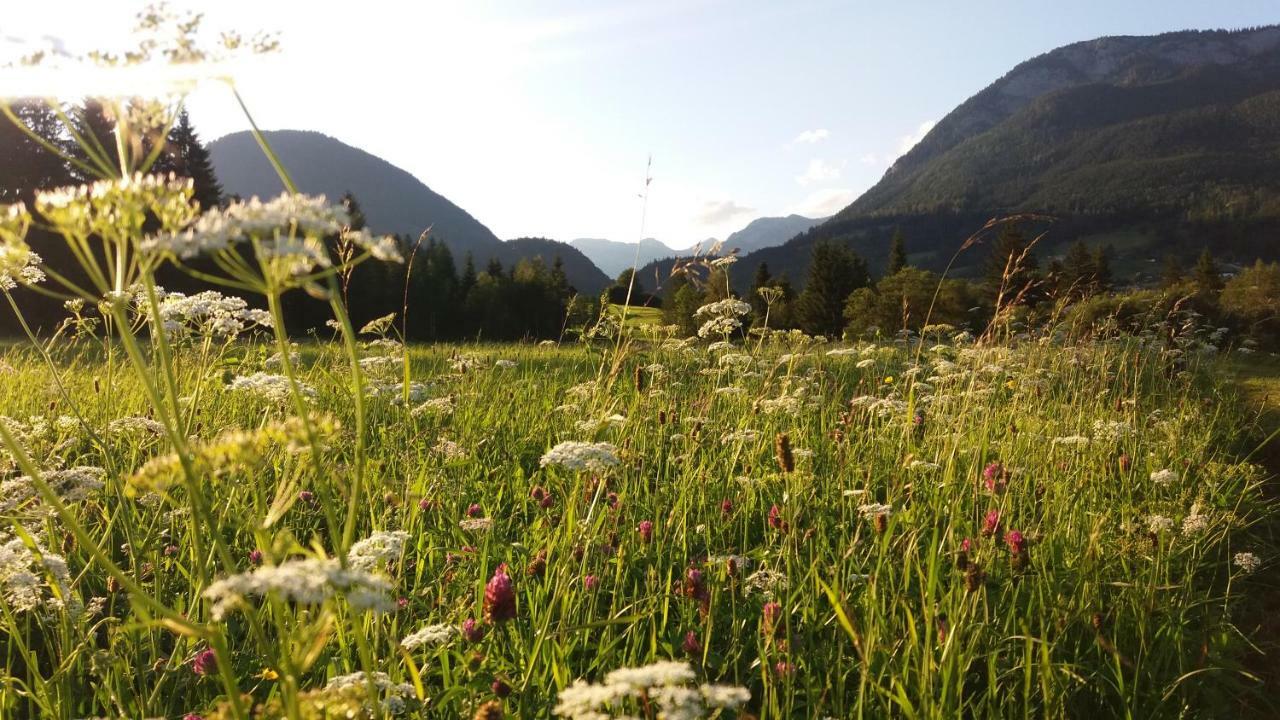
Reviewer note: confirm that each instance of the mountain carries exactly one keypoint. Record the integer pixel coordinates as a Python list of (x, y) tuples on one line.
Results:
[(393, 200), (612, 257), (1148, 145), (767, 232)]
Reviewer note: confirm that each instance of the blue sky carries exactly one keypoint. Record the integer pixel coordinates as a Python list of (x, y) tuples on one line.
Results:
[(539, 117)]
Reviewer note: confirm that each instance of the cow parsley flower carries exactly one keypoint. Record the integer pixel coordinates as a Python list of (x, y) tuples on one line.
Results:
[(429, 636), (275, 388), (377, 550), (32, 578), (1246, 561), (579, 456), (665, 685), (1164, 477), (310, 581)]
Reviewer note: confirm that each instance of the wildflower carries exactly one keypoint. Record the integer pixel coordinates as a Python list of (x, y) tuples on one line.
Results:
[(1159, 524), (991, 523), (31, 577), (1195, 523), (499, 597), (695, 586), (1016, 541), (691, 645), (378, 549), (771, 616), (255, 557), (205, 662), (276, 388), (726, 507), (1246, 561), (995, 477), (775, 519), (645, 529), (472, 630), (590, 582), (474, 510), (476, 524), (428, 636), (500, 688), (1164, 477), (579, 456), (310, 581), (306, 496)]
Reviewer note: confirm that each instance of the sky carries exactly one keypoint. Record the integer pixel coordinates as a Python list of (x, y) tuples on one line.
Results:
[(545, 118)]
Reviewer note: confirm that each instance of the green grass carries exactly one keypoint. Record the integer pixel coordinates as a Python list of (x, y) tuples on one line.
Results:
[(1098, 618)]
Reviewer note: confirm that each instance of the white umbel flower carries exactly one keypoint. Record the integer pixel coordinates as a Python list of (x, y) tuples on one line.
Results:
[(429, 636), (574, 455)]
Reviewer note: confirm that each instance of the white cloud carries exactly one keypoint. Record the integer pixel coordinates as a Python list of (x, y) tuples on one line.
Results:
[(824, 202), (909, 141), (819, 171), (716, 212), (808, 137), (870, 159)]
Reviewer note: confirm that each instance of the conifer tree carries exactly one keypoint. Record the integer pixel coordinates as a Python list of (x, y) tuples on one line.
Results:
[(186, 156), (1011, 267), (762, 279), (1208, 278), (835, 271), (897, 252), (1172, 274)]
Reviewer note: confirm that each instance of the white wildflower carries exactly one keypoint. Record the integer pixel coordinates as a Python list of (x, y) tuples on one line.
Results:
[(429, 636), (275, 388), (377, 550), (1164, 477), (307, 582), (1246, 561), (573, 455)]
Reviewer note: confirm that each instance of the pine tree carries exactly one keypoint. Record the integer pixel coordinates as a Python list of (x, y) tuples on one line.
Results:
[(762, 279), (560, 281), (355, 214), (468, 280), (1208, 279), (1101, 269), (185, 156), (1172, 274), (1077, 270), (834, 272), (897, 252)]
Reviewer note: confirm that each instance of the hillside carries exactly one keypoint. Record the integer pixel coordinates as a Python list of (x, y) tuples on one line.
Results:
[(393, 200), (767, 232), (1149, 145)]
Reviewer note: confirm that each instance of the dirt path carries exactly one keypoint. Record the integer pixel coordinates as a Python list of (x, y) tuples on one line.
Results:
[(1259, 383)]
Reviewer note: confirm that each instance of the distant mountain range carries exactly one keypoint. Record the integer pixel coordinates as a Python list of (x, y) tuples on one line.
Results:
[(393, 200), (613, 257), (1149, 145)]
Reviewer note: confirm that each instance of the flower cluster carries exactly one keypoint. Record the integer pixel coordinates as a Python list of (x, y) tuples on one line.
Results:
[(722, 317), (276, 388), (309, 581), (288, 233), (664, 684), (206, 314), (574, 455), (18, 264), (32, 578)]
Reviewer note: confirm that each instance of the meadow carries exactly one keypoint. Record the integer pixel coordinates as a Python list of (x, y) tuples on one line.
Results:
[(776, 526)]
